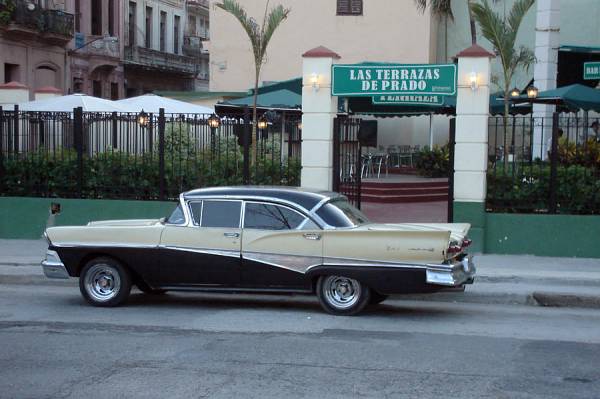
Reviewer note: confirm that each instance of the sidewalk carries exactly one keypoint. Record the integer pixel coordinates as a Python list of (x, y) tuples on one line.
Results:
[(501, 279)]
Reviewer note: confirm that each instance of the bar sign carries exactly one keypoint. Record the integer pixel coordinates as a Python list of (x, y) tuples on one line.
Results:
[(591, 70)]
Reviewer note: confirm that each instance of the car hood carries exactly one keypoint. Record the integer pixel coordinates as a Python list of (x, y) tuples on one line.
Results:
[(125, 222), (458, 231)]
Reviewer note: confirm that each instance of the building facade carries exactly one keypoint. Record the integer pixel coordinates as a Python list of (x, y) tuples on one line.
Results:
[(97, 49), (34, 39), (162, 50)]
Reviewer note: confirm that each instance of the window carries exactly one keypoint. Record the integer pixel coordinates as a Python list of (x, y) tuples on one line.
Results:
[(77, 15), (273, 217), (177, 216), (349, 7), (340, 213), (148, 27), (196, 209), (217, 213), (176, 23), (111, 17), (163, 30), (96, 17), (11, 73), (191, 25), (132, 24)]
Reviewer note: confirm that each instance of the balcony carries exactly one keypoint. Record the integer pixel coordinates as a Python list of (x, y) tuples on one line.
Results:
[(193, 46), (99, 46), (50, 26), (198, 3), (157, 60)]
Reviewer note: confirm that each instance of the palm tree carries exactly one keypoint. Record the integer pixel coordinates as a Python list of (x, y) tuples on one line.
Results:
[(443, 8), (259, 36), (502, 34)]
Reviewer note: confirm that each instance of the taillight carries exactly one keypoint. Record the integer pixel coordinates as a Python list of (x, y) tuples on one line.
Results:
[(466, 242), (454, 249)]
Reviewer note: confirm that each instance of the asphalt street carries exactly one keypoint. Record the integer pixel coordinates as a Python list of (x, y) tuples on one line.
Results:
[(53, 345)]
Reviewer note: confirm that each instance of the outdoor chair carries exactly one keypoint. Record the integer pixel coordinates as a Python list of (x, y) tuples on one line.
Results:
[(405, 153)]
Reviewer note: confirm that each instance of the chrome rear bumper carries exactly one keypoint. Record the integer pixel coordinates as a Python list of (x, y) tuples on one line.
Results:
[(452, 275), (53, 266)]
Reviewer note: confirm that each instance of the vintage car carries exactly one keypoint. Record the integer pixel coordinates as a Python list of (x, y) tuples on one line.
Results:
[(261, 239)]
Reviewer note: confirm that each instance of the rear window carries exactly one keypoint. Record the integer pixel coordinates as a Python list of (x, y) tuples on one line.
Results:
[(340, 213)]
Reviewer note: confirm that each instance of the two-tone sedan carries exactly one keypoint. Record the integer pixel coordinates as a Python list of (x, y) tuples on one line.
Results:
[(261, 239)]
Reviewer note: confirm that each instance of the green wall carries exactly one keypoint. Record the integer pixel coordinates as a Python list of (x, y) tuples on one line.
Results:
[(24, 217), (543, 235)]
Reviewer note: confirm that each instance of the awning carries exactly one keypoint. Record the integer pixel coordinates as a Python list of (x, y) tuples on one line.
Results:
[(573, 98), (279, 100)]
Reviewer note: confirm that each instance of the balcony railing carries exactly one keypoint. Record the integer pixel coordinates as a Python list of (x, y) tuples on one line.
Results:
[(193, 46), (97, 45), (46, 23), (155, 59), (198, 3)]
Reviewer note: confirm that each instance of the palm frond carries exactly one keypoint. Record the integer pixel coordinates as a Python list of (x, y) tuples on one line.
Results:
[(248, 24), (492, 28), (439, 8), (273, 20)]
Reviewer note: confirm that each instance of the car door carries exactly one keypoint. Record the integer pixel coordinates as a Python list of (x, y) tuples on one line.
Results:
[(278, 245), (206, 251)]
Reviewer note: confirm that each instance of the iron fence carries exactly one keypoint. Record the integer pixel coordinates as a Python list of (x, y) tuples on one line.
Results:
[(544, 165), (347, 158), (118, 155)]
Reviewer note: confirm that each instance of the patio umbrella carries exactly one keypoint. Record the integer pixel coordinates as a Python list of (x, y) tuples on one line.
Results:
[(67, 103), (573, 97), (152, 103)]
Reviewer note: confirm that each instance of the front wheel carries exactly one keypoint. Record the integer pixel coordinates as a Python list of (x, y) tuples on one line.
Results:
[(104, 282), (342, 296)]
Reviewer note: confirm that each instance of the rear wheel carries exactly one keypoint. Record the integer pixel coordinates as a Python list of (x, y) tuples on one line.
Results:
[(342, 296), (104, 282)]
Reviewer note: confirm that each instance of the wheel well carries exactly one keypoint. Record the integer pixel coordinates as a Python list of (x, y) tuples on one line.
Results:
[(134, 276)]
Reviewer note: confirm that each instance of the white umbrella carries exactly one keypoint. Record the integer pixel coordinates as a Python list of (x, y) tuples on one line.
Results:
[(67, 103), (152, 103)]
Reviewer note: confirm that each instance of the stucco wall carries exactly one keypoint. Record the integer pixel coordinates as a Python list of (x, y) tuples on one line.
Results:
[(391, 31)]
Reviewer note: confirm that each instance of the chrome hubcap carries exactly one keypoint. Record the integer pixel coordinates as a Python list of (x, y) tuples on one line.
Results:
[(341, 292), (102, 282)]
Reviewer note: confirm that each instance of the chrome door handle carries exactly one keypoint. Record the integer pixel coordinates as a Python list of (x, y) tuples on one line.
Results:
[(312, 236), (231, 235)]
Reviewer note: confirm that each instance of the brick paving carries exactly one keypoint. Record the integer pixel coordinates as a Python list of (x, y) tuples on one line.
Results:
[(421, 212)]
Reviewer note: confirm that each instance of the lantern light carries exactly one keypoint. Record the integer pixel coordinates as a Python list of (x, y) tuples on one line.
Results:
[(514, 93), (473, 81), (262, 123), (532, 92), (143, 119), (214, 122)]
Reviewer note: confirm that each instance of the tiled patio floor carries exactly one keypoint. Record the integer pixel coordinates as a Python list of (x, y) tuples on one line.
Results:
[(422, 212)]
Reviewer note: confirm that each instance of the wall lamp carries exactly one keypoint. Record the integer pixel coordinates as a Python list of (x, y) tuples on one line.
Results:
[(473, 81), (532, 92), (314, 81)]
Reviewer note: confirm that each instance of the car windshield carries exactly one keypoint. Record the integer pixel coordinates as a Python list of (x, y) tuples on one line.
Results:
[(340, 213)]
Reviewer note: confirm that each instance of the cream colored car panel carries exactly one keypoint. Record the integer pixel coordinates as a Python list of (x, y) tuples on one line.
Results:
[(293, 249), (204, 238), (385, 244), (107, 234)]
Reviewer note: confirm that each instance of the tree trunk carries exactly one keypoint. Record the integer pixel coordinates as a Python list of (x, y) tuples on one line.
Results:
[(472, 24), (254, 155)]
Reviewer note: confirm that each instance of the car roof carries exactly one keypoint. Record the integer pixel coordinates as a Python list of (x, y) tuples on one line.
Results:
[(305, 198)]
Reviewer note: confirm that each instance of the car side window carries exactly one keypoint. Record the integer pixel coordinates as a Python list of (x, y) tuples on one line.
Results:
[(196, 210), (218, 213), (273, 217), (177, 216)]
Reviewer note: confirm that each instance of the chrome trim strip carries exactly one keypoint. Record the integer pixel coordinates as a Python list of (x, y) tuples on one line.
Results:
[(101, 245), (251, 198), (205, 251), (295, 263), (185, 209)]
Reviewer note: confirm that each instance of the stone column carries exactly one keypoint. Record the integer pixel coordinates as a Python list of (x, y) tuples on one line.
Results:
[(12, 93), (319, 108), (471, 151), (547, 41)]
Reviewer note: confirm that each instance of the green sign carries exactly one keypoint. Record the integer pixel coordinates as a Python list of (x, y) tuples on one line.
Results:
[(591, 70), (401, 99), (370, 80)]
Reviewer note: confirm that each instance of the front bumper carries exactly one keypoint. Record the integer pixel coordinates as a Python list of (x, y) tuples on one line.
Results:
[(452, 275), (53, 266)]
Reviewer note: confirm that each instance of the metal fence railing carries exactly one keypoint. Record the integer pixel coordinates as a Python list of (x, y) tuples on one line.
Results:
[(120, 155), (544, 165)]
